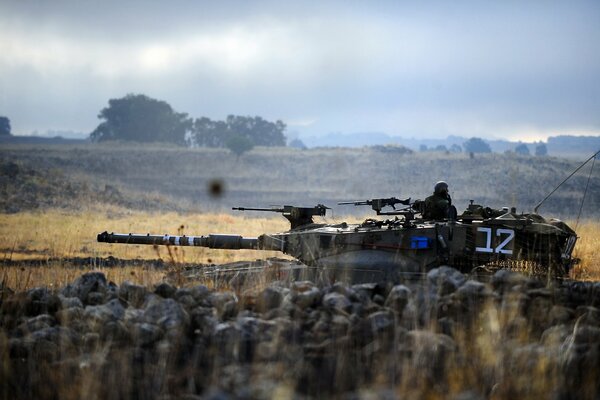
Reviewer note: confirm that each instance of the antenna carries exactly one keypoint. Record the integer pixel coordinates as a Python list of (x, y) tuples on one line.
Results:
[(566, 179)]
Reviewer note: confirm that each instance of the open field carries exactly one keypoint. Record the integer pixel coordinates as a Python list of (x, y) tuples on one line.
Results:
[(46, 238)]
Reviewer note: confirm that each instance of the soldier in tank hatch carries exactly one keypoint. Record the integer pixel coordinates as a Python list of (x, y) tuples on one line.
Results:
[(438, 204)]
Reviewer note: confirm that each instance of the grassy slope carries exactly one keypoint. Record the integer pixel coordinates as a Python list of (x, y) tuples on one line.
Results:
[(169, 178)]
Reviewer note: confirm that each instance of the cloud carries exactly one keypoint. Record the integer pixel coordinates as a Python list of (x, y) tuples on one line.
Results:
[(401, 68)]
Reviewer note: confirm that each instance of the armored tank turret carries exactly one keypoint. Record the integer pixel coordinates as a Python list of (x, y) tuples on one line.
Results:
[(399, 242)]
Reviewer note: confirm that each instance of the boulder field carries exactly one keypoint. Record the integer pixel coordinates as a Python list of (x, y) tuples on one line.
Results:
[(444, 336)]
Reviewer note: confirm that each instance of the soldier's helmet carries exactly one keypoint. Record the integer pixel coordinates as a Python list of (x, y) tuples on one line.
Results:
[(440, 187)]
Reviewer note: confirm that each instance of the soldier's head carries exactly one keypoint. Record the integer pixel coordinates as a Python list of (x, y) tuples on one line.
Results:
[(440, 188)]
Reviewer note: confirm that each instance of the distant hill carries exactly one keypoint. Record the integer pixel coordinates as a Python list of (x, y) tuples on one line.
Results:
[(39, 140), (573, 145), (565, 146)]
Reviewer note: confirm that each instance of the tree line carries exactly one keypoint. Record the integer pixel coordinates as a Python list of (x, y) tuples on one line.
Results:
[(139, 118)]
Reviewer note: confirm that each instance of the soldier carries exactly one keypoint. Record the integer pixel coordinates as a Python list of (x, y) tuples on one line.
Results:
[(438, 204)]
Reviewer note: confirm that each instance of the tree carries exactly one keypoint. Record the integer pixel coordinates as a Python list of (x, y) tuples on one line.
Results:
[(476, 145), (257, 130), (140, 118), (541, 150), (4, 126), (455, 148), (239, 144), (297, 144), (522, 149)]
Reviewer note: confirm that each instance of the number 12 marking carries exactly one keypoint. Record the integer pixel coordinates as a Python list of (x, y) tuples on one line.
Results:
[(500, 249)]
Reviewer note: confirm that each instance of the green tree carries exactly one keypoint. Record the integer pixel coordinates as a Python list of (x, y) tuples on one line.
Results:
[(541, 150), (239, 144), (4, 126), (522, 149), (140, 118), (476, 145), (257, 130)]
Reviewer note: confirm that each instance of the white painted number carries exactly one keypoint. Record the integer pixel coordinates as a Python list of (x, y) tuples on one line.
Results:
[(500, 249)]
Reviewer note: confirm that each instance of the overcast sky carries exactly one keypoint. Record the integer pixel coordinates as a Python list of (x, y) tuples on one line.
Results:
[(519, 70)]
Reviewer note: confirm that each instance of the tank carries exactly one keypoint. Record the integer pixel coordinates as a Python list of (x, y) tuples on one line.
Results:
[(398, 242)]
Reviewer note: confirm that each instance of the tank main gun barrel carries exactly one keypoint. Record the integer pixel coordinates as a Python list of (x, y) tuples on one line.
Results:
[(213, 241)]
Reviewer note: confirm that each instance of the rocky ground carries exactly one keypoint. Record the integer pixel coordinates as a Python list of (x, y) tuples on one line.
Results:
[(445, 336)]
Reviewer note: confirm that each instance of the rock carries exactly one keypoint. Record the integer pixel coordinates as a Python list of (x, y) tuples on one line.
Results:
[(69, 302), (91, 282), (200, 293), (187, 301), (398, 298), (145, 334), (381, 322), (505, 279), (429, 353), (588, 315), (167, 314), (73, 317), (370, 290), (308, 297), (115, 332), (269, 299), (111, 311), (95, 298), (445, 279), (337, 302), (472, 292), (225, 339), (468, 395), (132, 294), (165, 290), (560, 315), (248, 338), (586, 335), (41, 301), (203, 321), (37, 323), (225, 304), (133, 316), (555, 336)]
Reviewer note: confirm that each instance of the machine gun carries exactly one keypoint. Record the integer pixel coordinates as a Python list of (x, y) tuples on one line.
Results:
[(378, 204), (298, 216)]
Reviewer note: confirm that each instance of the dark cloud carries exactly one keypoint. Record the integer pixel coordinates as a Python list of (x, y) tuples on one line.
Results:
[(401, 68)]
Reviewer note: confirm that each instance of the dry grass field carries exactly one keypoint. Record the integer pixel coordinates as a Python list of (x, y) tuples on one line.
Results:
[(40, 241)]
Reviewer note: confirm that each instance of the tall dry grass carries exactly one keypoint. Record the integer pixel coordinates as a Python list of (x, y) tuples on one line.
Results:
[(588, 251)]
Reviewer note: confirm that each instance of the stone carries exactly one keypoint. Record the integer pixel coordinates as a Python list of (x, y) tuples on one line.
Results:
[(445, 279), (69, 302), (472, 291), (84, 285), (337, 301), (133, 294), (167, 314), (41, 301), (269, 299), (225, 304), (505, 279), (111, 311), (306, 298), (398, 298), (165, 290), (145, 334)]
